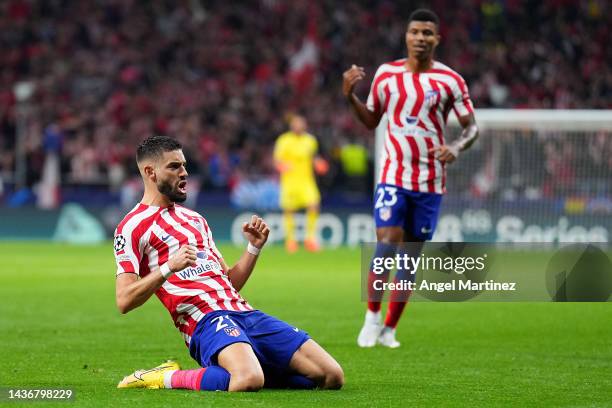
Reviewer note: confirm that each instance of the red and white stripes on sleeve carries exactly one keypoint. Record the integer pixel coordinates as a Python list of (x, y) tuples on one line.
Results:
[(417, 107), (145, 240)]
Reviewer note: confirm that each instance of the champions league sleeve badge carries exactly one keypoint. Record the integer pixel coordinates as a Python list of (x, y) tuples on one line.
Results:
[(119, 242)]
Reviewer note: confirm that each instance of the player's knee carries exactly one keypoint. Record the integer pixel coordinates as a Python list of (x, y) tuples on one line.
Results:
[(331, 377), (334, 378), (389, 235), (249, 380)]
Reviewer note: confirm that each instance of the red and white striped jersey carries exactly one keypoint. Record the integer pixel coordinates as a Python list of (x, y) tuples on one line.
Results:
[(148, 236), (417, 107)]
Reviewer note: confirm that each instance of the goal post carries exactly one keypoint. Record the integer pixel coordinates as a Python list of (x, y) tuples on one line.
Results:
[(533, 176)]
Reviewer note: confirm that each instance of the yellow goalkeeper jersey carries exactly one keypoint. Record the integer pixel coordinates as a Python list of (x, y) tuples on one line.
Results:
[(297, 153)]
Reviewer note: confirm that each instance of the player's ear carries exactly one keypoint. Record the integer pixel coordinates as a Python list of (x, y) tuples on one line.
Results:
[(149, 172)]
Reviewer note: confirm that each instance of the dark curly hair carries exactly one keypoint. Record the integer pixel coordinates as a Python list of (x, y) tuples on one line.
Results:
[(155, 146)]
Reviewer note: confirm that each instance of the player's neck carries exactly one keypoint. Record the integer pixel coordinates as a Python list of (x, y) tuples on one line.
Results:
[(155, 199), (417, 66)]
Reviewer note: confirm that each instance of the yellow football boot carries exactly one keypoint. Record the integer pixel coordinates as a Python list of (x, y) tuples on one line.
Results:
[(152, 378)]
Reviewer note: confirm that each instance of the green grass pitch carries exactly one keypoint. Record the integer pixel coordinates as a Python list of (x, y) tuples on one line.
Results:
[(59, 328)]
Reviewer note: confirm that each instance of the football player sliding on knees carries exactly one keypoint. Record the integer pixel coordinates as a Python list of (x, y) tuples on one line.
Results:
[(165, 249), (416, 93)]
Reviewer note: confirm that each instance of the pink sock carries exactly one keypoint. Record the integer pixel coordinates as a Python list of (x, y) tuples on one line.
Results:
[(375, 296), (397, 303), (186, 379), (394, 312)]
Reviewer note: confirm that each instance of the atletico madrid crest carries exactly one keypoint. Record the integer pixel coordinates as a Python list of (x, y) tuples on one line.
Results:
[(432, 97), (232, 331), (385, 213)]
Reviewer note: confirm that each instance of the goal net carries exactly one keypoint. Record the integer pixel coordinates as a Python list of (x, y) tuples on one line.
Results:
[(533, 176)]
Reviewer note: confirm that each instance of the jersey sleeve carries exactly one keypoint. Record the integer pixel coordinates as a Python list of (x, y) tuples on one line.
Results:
[(127, 253), (462, 104), (314, 145), (280, 149), (376, 98)]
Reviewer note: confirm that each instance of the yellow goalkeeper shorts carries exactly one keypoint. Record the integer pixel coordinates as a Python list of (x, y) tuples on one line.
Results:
[(297, 196)]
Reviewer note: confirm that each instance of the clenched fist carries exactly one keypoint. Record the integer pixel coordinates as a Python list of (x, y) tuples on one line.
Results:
[(185, 256), (445, 153), (256, 231), (350, 78)]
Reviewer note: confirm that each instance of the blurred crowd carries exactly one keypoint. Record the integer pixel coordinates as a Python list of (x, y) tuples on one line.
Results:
[(221, 76)]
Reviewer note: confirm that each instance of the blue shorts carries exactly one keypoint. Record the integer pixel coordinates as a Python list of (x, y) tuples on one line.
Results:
[(273, 341), (414, 211)]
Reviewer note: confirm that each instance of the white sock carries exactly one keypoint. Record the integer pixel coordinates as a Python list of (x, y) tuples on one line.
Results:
[(372, 317), (168, 379)]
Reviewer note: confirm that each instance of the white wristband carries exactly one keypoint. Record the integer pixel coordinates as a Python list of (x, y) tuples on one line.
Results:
[(253, 250), (165, 271)]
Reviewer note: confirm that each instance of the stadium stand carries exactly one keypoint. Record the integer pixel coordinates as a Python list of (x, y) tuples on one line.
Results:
[(221, 75)]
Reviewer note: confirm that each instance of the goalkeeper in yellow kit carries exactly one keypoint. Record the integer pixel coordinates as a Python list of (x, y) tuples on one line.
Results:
[(295, 156)]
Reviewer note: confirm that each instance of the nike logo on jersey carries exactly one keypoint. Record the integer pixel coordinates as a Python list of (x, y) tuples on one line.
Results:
[(411, 120), (425, 230), (165, 237), (295, 329)]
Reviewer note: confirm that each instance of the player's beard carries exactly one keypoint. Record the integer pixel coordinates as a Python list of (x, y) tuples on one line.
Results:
[(172, 193)]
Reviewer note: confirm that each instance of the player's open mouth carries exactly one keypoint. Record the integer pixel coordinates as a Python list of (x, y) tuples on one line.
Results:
[(182, 186)]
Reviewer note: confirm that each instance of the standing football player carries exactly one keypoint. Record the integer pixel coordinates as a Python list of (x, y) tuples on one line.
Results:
[(165, 249), (416, 93), (295, 156)]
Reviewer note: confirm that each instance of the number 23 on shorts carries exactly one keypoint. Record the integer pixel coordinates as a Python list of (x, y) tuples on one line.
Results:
[(386, 196)]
